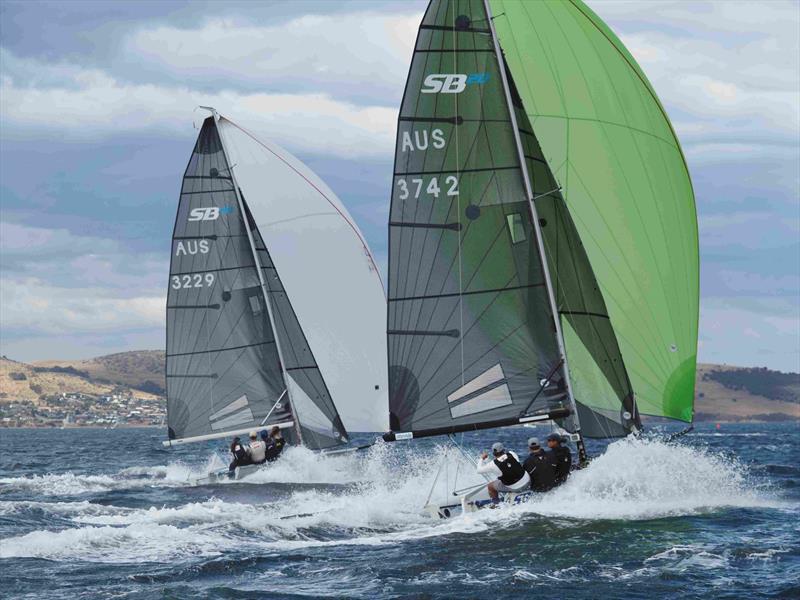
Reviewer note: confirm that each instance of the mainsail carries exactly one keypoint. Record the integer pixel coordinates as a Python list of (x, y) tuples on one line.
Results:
[(472, 338), (519, 194), (274, 370), (223, 369)]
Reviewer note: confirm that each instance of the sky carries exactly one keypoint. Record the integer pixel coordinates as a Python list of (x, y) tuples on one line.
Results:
[(97, 121)]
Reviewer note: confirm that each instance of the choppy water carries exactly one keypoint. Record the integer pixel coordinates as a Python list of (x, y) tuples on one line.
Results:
[(110, 514)]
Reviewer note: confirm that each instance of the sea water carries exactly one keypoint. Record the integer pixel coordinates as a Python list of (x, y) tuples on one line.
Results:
[(88, 513)]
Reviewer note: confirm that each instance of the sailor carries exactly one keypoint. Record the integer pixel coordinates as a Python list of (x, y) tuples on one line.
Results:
[(257, 449), (275, 444), (562, 457), (240, 454), (511, 477), (540, 466)]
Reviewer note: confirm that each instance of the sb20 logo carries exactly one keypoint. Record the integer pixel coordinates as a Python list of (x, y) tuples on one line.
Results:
[(209, 213), (451, 83)]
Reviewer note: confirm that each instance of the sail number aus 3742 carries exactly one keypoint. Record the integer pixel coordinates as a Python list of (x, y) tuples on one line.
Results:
[(432, 189), (197, 280)]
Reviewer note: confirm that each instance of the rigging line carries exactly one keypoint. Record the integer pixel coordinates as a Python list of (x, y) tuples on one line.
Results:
[(283, 393), (543, 385)]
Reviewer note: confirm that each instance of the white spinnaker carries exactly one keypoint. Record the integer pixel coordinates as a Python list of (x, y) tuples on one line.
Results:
[(327, 270)]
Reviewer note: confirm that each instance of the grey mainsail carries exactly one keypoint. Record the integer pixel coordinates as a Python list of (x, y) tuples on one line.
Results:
[(224, 370), (470, 328)]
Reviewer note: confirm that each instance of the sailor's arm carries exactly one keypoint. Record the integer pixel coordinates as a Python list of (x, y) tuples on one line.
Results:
[(486, 466)]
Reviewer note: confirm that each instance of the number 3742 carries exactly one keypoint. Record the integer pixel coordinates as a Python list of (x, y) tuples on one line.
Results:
[(416, 185)]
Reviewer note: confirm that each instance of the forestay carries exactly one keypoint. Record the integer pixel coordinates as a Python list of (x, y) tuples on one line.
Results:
[(471, 333)]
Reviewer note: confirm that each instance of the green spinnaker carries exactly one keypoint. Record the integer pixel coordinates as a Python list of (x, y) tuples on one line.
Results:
[(610, 145)]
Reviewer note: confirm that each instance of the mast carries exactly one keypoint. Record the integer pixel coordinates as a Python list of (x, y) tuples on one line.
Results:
[(537, 228), (261, 281)]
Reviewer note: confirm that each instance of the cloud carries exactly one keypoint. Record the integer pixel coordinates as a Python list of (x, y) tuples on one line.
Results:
[(33, 306), (356, 55), (102, 106), (70, 261), (752, 332)]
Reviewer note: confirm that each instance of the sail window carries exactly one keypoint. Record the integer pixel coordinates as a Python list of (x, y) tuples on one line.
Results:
[(516, 228), (255, 305)]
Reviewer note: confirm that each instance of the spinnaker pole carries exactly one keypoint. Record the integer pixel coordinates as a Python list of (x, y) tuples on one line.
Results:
[(240, 202), (582, 457)]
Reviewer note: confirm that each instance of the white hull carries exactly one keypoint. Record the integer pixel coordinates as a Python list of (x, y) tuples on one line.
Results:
[(226, 475), (473, 502)]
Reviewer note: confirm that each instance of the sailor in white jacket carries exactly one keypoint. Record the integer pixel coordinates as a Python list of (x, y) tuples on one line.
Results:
[(505, 465)]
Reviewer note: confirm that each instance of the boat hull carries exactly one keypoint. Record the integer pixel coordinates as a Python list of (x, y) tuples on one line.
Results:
[(474, 502)]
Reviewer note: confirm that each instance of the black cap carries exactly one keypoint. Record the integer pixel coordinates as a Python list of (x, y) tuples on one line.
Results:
[(553, 437)]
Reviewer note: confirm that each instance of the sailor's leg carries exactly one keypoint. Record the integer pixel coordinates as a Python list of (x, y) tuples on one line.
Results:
[(492, 491)]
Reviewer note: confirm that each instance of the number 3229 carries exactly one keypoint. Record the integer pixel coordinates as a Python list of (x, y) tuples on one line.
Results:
[(183, 282)]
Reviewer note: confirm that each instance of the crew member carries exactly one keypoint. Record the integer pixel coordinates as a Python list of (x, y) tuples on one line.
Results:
[(240, 454), (511, 477), (275, 445), (257, 449), (561, 455), (540, 466)]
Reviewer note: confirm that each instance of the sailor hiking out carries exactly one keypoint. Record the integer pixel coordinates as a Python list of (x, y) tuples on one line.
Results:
[(541, 467), (562, 457), (511, 476), (240, 454)]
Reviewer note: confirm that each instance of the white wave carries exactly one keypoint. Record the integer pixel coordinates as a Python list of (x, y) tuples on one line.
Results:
[(135, 543), (71, 484), (388, 485), (646, 478)]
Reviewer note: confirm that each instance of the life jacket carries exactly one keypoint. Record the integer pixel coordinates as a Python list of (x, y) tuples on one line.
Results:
[(239, 452), (274, 449), (563, 462), (510, 468)]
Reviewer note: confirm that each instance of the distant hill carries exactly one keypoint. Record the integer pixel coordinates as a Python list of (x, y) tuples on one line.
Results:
[(139, 371), (723, 393)]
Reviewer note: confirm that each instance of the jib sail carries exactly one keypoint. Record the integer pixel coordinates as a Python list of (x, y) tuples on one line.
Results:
[(471, 334), (223, 369), (625, 188)]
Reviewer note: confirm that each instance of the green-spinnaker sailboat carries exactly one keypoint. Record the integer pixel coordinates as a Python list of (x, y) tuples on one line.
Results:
[(543, 256)]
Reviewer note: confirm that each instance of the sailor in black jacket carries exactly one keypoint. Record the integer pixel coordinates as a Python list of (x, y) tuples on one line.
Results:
[(562, 457), (540, 467), (504, 465)]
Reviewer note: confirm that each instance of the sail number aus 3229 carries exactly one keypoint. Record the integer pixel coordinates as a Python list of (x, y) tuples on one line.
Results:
[(198, 280), (432, 189)]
